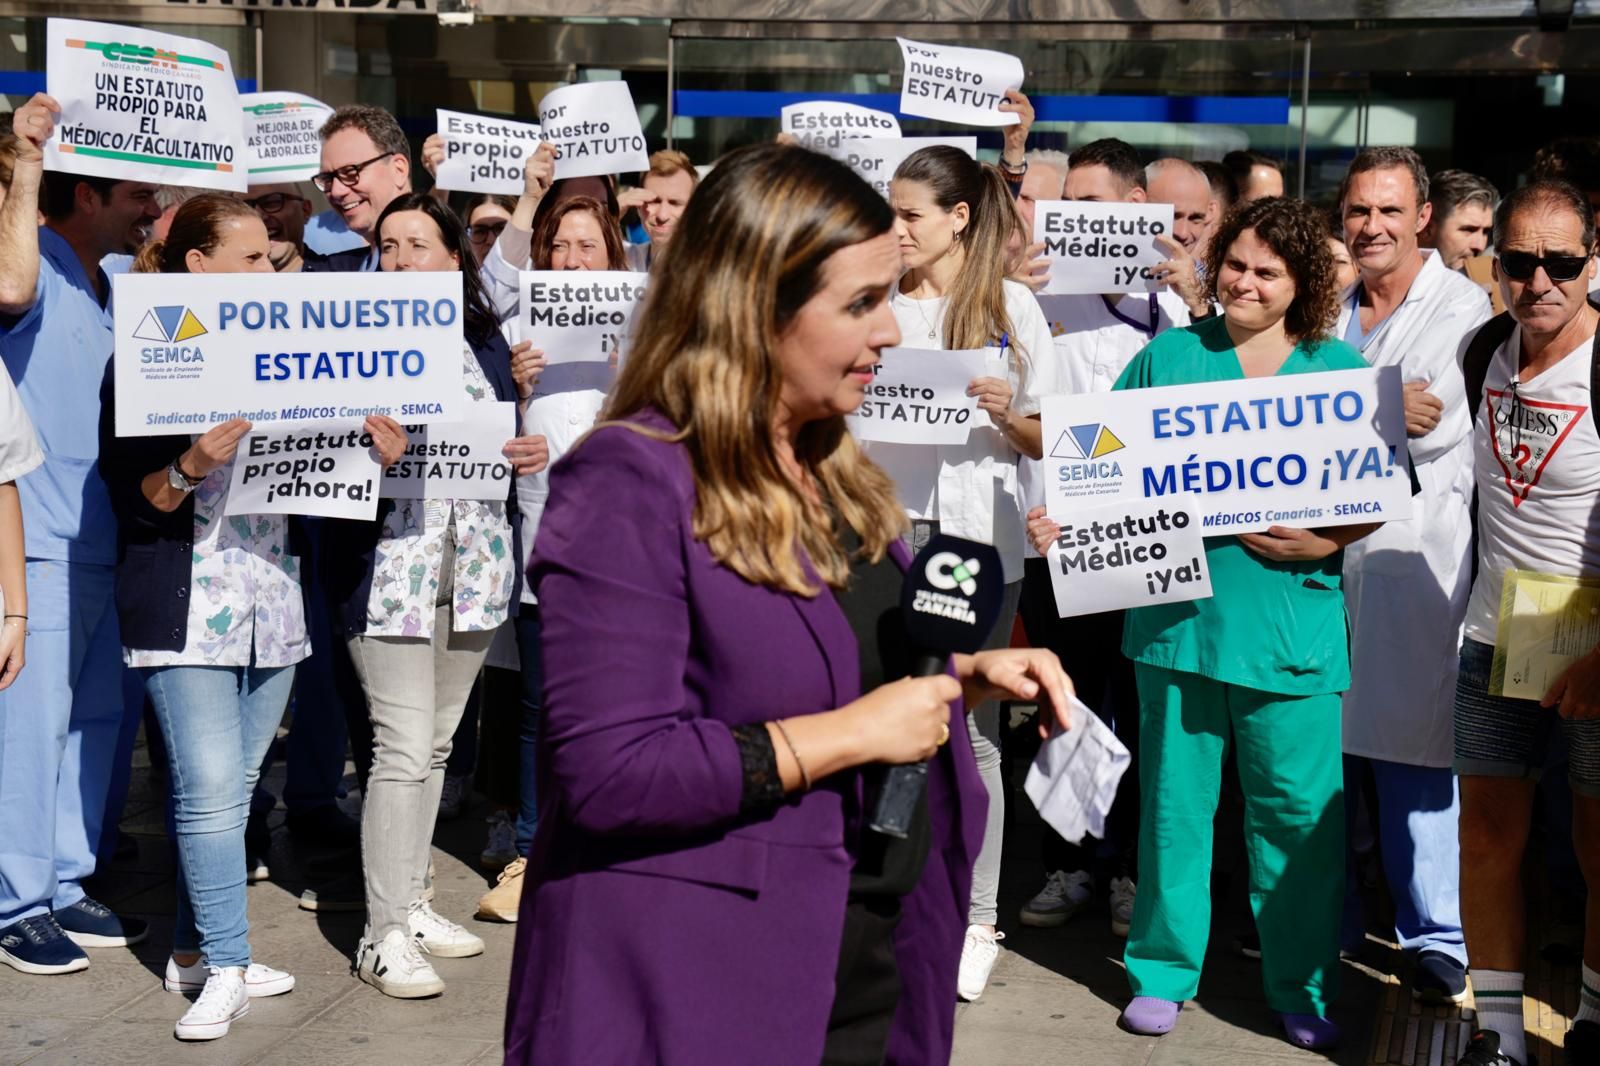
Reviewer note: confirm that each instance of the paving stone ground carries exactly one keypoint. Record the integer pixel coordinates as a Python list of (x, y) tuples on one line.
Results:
[(1054, 997)]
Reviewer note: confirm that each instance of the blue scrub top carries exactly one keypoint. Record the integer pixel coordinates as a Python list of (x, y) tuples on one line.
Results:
[(1275, 627), (56, 353)]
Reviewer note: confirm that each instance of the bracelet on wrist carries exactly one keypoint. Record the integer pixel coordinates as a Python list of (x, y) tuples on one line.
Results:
[(805, 777), (177, 464)]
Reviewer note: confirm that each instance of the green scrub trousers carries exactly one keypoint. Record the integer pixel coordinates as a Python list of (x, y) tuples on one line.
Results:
[(1291, 771)]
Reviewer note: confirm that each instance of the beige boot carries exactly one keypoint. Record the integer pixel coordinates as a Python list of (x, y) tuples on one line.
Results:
[(499, 904)]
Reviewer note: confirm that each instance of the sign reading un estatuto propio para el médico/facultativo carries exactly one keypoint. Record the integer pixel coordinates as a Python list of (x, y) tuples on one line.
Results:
[(286, 348)]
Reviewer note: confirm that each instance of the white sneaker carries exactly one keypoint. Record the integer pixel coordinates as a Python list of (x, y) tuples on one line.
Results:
[(1061, 897), (223, 999), (453, 800), (440, 936), (502, 845), (978, 955), (396, 968), (1122, 889), (259, 981)]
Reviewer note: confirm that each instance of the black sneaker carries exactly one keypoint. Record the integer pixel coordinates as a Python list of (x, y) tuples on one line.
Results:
[(1583, 1044), (1439, 979), (1484, 1050), (37, 945), (90, 924), (344, 893)]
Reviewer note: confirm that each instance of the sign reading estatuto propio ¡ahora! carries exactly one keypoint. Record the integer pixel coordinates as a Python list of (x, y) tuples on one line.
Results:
[(595, 129), (1101, 247), (138, 105), (920, 397), (1300, 450), (457, 460), (484, 154), (818, 123), (875, 159), (579, 316), (1130, 553), (952, 84), (286, 348), (280, 136), (328, 469)]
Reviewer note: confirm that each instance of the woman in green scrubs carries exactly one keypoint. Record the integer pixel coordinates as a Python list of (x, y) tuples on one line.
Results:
[(1261, 664)]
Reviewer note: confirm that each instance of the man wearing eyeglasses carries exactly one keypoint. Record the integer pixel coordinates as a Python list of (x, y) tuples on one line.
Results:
[(366, 163), (1531, 377), (1406, 585), (284, 210)]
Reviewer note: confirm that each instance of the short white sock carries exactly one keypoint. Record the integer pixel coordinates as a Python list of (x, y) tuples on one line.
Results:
[(1589, 999), (1498, 994)]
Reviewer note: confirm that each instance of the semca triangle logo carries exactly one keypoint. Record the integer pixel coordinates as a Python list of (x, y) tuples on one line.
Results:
[(168, 325), (1090, 441), (1526, 436)]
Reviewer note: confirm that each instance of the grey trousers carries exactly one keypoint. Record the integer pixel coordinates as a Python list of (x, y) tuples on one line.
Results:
[(416, 692)]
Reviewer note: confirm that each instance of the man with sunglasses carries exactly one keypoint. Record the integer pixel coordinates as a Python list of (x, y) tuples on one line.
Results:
[(1406, 585), (1536, 444), (366, 163), (284, 209)]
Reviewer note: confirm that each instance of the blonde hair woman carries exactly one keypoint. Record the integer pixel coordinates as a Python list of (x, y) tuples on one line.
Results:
[(719, 570)]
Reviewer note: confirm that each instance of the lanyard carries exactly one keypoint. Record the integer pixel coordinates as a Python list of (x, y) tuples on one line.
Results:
[(1155, 316)]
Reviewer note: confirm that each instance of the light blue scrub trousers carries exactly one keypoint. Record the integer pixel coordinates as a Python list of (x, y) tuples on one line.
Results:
[(59, 727)]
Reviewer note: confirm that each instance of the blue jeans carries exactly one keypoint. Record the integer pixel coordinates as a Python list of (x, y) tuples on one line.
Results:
[(218, 722), (59, 727), (532, 700)]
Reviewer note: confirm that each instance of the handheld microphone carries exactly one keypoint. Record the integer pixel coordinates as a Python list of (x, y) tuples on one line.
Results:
[(951, 600)]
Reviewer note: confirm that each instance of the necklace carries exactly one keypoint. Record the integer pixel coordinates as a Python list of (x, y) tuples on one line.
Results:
[(933, 332)]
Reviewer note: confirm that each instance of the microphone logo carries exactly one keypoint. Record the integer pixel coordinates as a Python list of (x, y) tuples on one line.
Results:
[(947, 570)]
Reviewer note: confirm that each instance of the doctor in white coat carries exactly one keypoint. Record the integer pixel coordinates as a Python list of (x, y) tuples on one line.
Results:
[(1406, 585)]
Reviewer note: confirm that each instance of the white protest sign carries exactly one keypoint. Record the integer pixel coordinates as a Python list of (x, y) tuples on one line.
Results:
[(1304, 450), (920, 397), (483, 154), (876, 159), (595, 129), (578, 316), (196, 351), (1131, 553), (1101, 247), (952, 84), (827, 122), (280, 136), (137, 105), (458, 460), (328, 469)]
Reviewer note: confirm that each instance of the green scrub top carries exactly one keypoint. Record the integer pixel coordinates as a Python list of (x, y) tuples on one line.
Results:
[(1275, 627)]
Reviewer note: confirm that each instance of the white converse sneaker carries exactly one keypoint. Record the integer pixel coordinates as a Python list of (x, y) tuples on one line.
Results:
[(1062, 896), (396, 968), (1122, 889), (978, 955), (223, 999), (259, 981), (440, 936)]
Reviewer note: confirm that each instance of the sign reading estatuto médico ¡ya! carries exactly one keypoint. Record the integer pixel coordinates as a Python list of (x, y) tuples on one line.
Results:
[(484, 154), (286, 348), (594, 128), (818, 123), (328, 469), (1129, 553), (1302, 450), (579, 316), (1100, 247), (138, 105), (875, 159), (919, 396)]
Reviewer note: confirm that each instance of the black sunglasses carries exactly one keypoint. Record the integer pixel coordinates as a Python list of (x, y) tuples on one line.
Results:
[(485, 232), (346, 176), (1520, 266)]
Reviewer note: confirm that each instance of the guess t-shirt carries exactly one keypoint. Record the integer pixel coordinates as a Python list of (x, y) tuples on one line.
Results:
[(1537, 460)]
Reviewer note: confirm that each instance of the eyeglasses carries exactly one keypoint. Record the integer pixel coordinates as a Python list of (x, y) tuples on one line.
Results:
[(1520, 266), (485, 232), (273, 202), (346, 176)]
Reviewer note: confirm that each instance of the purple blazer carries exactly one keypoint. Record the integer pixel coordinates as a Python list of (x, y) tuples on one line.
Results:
[(658, 925)]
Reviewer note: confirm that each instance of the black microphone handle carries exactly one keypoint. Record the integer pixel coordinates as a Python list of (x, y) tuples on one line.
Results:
[(903, 785)]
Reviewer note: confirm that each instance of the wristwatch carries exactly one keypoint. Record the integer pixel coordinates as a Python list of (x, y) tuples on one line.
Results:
[(1013, 172), (180, 481)]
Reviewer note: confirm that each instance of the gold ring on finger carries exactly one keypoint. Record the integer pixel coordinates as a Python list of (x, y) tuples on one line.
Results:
[(944, 735)]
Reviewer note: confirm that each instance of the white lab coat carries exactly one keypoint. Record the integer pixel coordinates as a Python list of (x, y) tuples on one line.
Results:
[(1407, 584)]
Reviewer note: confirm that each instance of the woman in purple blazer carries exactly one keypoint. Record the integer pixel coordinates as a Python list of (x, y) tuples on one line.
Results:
[(719, 570)]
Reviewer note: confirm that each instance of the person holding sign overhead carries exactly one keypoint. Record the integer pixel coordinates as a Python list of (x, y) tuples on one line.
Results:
[(422, 589), (212, 616), (1261, 663), (955, 221)]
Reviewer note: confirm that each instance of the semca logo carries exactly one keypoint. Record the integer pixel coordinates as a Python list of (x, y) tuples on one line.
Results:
[(1089, 441), (1083, 466), (169, 325)]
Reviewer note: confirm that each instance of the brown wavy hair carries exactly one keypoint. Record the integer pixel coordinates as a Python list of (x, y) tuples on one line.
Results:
[(1298, 234), (196, 225), (704, 357), (544, 231)]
